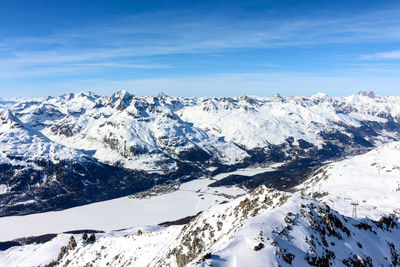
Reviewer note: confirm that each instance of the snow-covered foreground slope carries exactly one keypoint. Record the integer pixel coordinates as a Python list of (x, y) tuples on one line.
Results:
[(264, 228), (42, 254), (371, 180)]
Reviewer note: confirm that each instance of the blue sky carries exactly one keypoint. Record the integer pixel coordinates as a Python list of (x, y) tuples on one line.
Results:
[(199, 48)]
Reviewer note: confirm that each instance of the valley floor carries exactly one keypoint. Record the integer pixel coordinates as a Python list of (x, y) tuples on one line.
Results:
[(125, 212)]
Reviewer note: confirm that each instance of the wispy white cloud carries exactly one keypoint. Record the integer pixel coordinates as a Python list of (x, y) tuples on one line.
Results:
[(121, 65), (382, 55), (139, 39)]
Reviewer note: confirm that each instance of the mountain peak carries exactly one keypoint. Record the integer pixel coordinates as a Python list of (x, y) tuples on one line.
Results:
[(121, 93), (69, 96), (162, 95), (6, 114), (121, 99), (277, 96), (370, 94), (321, 95)]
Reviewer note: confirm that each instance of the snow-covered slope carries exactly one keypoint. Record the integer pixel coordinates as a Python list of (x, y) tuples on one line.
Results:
[(24, 154), (21, 145), (371, 180)]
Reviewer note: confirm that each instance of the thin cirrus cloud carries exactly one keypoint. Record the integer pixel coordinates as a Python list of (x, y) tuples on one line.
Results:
[(383, 55), (121, 65), (69, 69), (146, 37)]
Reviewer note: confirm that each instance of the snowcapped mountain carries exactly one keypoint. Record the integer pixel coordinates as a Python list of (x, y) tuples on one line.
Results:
[(151, 133), (137, 133), (158, 140), (24, 142), (266, 227), (37, 174)]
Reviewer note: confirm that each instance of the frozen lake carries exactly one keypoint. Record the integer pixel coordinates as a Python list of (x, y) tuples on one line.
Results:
[(191, 198)]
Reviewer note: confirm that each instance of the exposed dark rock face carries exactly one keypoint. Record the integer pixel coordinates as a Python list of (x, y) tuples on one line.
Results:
[(40, 240), (179, 221), (328, 230), (72, 243), (8, 244)]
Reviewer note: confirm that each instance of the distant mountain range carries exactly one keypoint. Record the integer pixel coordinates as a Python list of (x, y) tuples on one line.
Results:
[(59, 152)]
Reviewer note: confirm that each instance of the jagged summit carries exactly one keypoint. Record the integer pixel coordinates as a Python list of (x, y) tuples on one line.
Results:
[(370, 94), (120, 94), (120, 100), (276, 96), (83, 94), (6, 114), (162, 95)]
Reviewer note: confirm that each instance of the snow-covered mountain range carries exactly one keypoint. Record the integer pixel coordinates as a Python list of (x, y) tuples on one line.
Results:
[(266, 227), (59, 152)]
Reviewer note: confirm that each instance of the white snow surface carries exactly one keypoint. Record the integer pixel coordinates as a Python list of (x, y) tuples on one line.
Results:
[(33, 255), (19, 142), (41, 254), (3, 188), (291, 228), (371, 180)]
